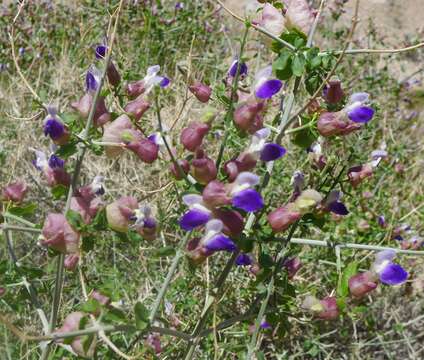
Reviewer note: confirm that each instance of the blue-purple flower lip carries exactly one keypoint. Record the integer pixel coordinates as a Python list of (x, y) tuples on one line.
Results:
[(54, 128), (91, 82), (243, 260), (248, 200), (101, 51), (164, 82), (393, 274), (193, 218), (149, 223), (337, 207), (233, 68), (361, 114), (268, 88), (272, 152), (56, 162), (220, 242)]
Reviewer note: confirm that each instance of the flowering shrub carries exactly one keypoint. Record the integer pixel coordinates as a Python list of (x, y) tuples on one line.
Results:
[(236, 200)]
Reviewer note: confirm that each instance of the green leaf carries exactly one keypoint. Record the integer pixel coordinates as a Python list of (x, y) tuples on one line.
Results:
[(25, 210), (312, 83), (298, 65), (304, 138), (59, 191), (141, 316), (282, 66), (91, 306), (164, 251), (65, 151), (75, 220), (100, 221), (348, 272)]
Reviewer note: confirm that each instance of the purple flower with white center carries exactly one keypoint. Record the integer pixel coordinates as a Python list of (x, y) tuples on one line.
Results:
[(92, 79), (242, 194), (266, 86), (143, 218), (389, 273), (244, 260), (232, 71), (332, 203), (356, 109), (179, 6), (381, 220), (214, 239), (265, 151), (97, 185), (101, 50), (21, 51), (152, 78), (197, 215)]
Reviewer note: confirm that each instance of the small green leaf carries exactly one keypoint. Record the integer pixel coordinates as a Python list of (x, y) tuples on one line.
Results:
[(141, 316), (75, 220), (25, 210), (348, 272), (91, 306), (88, 243), (298, 65), (65, 151), (59, 191)]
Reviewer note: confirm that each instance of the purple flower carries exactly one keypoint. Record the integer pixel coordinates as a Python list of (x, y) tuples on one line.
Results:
[(265, 325), (197, 215), (53, 128), (265, 86), (332, 203), (356, 109), (101, 50), (92, 78), (381, 221), (244, 260), (243, 196), (389, 273), (55, 162), (179, 6), (214, 240), (164, 82), (265, 151), (233, 68)]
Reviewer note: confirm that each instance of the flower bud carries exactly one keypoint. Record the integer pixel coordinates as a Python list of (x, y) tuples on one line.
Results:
[(137, 107), (71, 262), (247, 116), (57, 176), (145, 149), (362, 284), (113, 74), (102, 299), (280, 219), (201, 91), (215, 194), (72, 323), (331, 310), (15, 192), (136, 88), (204, 169), (153, 341), (299, 15), (59, 234), (232, 220), (185, 167), (86, 204), (192, 136), (333, 93), (120, 212), (335, 123), (292, 266), (118, 131), (359, 173)]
